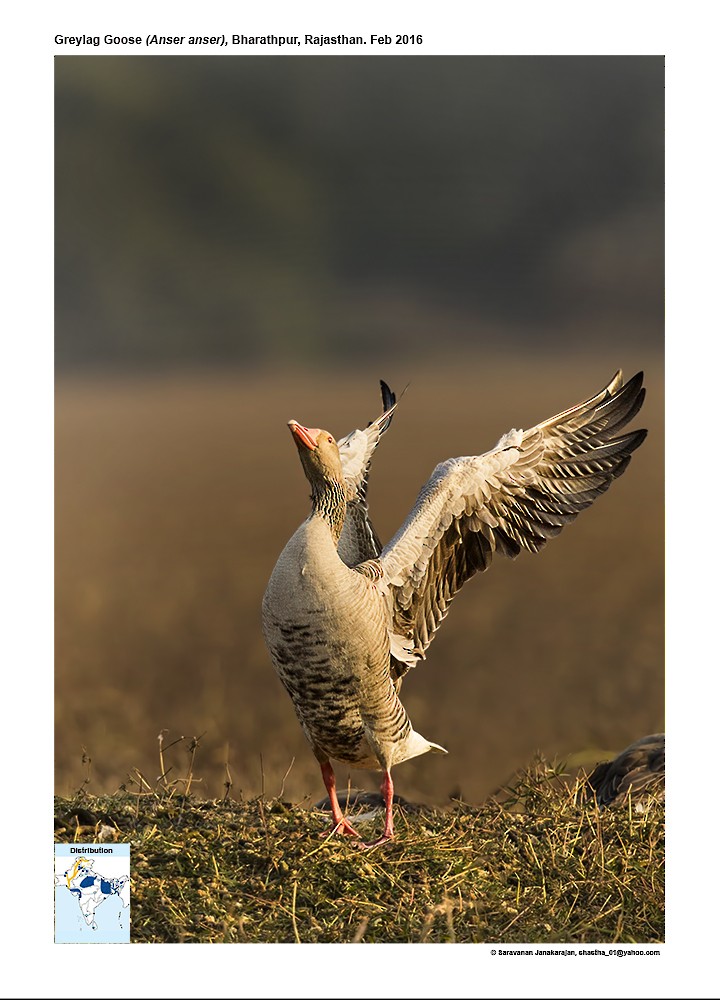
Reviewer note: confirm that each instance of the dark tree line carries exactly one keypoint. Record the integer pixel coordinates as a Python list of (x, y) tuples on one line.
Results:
[(214, 210)]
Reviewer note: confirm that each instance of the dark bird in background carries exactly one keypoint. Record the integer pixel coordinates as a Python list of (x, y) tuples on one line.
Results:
[(345, 619), (639, 771)]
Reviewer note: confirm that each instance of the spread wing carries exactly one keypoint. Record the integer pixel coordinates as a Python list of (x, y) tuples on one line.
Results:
[(514, 497), (358, 540)]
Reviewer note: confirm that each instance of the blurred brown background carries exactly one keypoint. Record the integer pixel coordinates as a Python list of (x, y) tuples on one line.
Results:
[(245, 240)]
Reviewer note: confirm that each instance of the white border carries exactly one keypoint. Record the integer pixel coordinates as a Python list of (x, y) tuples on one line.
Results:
[(687, 35)]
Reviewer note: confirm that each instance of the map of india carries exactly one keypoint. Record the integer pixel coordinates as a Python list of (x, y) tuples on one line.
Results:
[(92, 893)]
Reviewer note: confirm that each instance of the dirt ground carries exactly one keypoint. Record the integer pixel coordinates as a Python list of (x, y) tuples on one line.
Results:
[(174, 497)]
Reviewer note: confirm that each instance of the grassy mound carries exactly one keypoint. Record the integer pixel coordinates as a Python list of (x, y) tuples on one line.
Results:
[(534, 864)]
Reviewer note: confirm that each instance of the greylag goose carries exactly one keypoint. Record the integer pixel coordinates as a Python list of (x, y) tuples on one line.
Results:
[(638, 771), (344, 619)]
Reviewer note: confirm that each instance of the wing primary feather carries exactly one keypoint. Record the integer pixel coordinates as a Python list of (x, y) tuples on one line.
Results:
[(514, 497), (358, 540)]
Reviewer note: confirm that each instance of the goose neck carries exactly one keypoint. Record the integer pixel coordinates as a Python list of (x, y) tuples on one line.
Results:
[(329, 501)]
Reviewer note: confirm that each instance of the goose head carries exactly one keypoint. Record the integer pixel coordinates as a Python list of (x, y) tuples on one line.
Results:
[(318, 452)]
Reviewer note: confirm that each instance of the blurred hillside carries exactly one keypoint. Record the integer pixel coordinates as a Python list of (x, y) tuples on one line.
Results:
[(275, 209)]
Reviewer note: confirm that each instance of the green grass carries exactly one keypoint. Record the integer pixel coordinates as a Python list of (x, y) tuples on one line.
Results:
[(535, 864)]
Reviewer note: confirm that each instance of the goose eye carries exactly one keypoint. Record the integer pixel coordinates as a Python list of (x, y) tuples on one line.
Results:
[(330, 440)]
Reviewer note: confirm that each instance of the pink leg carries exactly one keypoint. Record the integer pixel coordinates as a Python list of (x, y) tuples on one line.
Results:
[(339, 822), (389, 831)]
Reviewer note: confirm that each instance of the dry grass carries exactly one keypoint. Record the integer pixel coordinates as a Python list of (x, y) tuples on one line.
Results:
[(174, 498), (534, 865)]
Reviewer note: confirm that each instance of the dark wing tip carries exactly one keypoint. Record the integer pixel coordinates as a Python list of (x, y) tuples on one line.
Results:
[(388, 396), (597, 777), (634, 439), (640, 436), (389, 400)]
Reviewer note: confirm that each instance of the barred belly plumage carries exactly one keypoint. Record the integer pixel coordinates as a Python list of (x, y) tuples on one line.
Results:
[(335, 702)]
